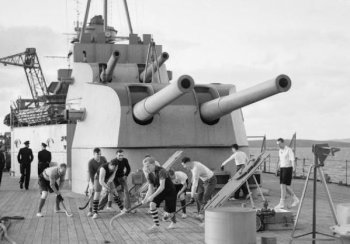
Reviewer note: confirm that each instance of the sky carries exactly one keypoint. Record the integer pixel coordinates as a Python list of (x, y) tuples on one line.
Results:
[(240, 42)]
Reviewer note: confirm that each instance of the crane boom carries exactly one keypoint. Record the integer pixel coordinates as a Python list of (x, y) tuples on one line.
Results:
[(30, 62)]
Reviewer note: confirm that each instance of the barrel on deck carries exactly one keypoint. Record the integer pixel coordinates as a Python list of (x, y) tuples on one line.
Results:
[(230, 225), (343, 213)]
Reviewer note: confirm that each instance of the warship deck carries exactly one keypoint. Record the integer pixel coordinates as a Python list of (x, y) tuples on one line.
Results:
[(132, 228)]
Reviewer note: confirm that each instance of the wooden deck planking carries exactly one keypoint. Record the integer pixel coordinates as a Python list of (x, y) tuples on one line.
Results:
[(46, 238), (72, 236), (78, 229), (132, 228), (30, 211), (84, 221)]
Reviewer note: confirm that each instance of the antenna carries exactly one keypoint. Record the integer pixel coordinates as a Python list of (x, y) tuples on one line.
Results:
[(77, 12)]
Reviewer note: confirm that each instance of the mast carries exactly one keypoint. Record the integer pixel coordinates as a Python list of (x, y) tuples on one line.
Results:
[(105, 15), (85, 20), (128, 16)]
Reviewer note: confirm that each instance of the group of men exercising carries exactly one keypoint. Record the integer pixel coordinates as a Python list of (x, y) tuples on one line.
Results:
[(166, 186), (163, 185)]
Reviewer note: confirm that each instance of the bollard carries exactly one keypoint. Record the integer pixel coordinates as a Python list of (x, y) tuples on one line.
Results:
[(230, 225)]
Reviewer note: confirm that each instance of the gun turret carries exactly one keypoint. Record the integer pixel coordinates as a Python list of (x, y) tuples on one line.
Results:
[(212, 110), (106, 75), (146, 108), (147, 73)]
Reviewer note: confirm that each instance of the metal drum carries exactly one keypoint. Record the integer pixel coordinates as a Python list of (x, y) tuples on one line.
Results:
[(230, 225), (343, 213)]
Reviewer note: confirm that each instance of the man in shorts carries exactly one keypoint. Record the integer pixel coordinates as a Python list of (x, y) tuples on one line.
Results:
[(104, 181), (287, 166), (48, 183), (180, 180), (121, 176), (205, 190), (93, 165), (160, 188), (241, 160)]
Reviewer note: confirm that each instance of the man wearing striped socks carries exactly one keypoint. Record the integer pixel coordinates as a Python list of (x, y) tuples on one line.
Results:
[(160, 188), (104, 181), (93, 166)]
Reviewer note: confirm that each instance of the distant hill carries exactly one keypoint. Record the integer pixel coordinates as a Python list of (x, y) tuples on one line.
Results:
[(342, 140), (301, 143)]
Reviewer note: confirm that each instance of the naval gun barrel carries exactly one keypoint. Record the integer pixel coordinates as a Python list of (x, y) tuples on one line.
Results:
[(106, 75), (147, 73), (144, 110), (212, 110)]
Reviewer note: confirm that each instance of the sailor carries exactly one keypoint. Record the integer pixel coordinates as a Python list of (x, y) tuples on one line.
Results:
[(206, 188), (25, 158), (93, 166), (180, 180), (241, 159), (104, 181), (121, 176), (44, 158), (48, 183), (160, 188), (287, 166)]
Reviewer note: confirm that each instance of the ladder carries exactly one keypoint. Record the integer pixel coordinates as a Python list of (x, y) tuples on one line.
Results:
[(241, 177)]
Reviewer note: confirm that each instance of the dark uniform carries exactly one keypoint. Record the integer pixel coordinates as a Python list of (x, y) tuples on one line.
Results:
[(44, 160), (168, 194), (25, 158), (2, 164), (98, 186), (123, 170), (108, 174), (94, 166)]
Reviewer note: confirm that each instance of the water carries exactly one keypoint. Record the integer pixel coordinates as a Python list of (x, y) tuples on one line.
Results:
[(335, 166)]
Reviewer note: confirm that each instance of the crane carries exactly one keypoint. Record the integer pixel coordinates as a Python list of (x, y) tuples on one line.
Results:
[(30, 62)]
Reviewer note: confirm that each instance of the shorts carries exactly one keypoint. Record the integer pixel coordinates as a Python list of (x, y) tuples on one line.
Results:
[(44, 184), (286, 175), (119, 181), (170, 201)]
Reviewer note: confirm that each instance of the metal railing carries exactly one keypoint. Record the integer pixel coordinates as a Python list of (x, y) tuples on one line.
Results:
[(336, 171)]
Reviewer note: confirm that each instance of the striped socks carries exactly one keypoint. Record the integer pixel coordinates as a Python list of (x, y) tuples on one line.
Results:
[(118, 202), (95, 205), (154, 214)]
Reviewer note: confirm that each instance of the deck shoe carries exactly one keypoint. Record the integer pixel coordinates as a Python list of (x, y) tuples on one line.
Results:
[(280, 205), (95, 216), (184, 216), (124, 210), (110, 209), (89, 214), (172, 225), (154, 228), (295, 202), (39, 215)]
